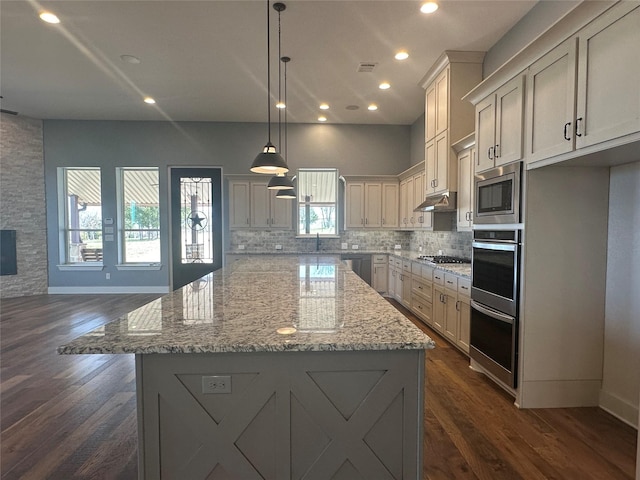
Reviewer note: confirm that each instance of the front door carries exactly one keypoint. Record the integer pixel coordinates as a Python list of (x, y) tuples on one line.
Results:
[(196, 223)]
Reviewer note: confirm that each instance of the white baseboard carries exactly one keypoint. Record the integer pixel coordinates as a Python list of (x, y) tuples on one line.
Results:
[(559, 393), (105, 290), (619, 408)]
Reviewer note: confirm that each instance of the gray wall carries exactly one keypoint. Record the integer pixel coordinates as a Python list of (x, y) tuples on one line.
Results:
[(417, 140), (353, 149), (535, 22), (22, 206)]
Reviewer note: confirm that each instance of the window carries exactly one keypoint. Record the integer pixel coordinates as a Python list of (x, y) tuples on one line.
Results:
[(81, 205), (317, 202), (139, 219)]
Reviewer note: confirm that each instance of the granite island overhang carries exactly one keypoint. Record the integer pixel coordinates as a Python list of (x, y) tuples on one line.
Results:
[(282, 367)]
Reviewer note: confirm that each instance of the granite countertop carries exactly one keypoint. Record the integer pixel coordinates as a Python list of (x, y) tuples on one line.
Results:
[(460, 269), (275, 303)]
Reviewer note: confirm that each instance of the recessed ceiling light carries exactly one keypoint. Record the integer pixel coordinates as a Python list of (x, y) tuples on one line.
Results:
[(280, 105), (49, 17), (429, 7), (130, 59), (324, 106), (149, 100), (373, 107), (352, 107), (384, 86), (322, 119), (402, 55)]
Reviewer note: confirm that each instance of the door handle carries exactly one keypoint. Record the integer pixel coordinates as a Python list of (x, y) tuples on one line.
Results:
[(489, 153), (578, 122), (566, 128)]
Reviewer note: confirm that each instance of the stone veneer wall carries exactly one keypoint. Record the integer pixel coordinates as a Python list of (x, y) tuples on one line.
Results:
[(265, 240), (22, 203)]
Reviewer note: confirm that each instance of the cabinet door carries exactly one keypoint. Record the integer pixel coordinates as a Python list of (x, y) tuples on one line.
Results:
[(465, 189), (423, 219), (260, 211), (409, 204), (442, 101), (390, 205), (609, 76), (550, 103), (438, 308), (430, 165), (373, 205), (450, 317), (391, 286), (464, 320), (239, 206), (444, 179), (355, 205), (509, 120), (430, 113), (485, 133), (280, 211), (380, 277), (406, 289)]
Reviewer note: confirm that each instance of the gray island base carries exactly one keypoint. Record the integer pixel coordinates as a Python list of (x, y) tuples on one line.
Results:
[(278, 368)]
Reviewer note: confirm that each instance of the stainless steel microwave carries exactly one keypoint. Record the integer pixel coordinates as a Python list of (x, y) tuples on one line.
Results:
[(497, 195)]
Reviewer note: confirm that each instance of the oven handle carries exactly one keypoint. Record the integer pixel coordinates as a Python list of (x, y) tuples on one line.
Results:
[(504, 246), (493, 313)]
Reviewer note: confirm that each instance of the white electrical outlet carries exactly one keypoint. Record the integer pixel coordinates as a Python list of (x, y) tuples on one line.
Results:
[(419, 249), (278, 247), (241, 247), (216, 384), (354, 247), (344, 246), (108, 276), (397, 247)]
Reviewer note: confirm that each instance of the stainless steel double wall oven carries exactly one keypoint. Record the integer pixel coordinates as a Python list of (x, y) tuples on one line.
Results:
[(495, 285)]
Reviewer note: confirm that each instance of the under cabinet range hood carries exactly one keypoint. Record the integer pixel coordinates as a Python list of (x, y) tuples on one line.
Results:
[(442, 202)]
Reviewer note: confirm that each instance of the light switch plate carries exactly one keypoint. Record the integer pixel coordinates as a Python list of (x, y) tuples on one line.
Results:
[(355, 247), (278, 247), (108, 238), (344, 245), (241, 247)]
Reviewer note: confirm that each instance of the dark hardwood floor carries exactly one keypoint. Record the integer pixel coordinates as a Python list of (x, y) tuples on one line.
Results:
[(74, 417)]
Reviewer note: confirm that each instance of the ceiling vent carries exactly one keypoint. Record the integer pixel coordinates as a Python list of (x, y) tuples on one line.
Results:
[(366, 67)]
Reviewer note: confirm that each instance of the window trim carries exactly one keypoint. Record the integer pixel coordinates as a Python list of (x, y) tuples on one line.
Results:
[(63, 228)]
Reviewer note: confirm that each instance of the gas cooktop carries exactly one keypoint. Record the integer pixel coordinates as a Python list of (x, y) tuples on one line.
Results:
[(443, 259)]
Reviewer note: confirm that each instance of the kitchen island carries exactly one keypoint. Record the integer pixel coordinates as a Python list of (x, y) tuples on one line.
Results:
[(275, 368)]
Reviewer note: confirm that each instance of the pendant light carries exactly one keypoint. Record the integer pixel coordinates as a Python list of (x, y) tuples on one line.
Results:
[(289, 193), (280, 181), (269, 161)]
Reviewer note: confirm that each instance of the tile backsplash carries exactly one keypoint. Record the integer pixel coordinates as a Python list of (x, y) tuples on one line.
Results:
[(450, 242), (266, 240)]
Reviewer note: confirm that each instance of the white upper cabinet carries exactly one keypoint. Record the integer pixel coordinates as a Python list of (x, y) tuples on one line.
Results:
[(267, 211), (447, 117), (585, 91), (239, 204), (608, 97), (499, 126), (466, 159), (551, 99), (371, 204), (253, 205)]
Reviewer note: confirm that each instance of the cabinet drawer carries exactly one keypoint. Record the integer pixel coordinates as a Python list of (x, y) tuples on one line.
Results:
[(397, 262), (421, 287), (438, 277), (406, 266), (379, 259), (451, 281), (421, 309), (464, 287), (416, 268), (427, 272)]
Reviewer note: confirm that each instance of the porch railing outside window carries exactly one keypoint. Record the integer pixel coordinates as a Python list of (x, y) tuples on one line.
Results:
[(82, 227)]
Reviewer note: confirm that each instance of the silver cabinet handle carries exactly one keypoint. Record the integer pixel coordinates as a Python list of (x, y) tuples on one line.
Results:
[(495, 151)]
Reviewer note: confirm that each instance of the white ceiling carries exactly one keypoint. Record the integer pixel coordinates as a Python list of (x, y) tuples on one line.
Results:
[(206, 60)]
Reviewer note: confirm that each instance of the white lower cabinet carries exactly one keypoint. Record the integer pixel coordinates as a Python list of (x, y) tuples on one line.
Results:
[(463, 309), (380, 275)]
